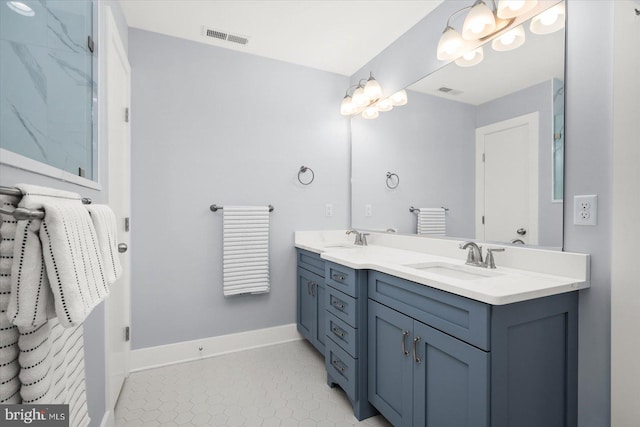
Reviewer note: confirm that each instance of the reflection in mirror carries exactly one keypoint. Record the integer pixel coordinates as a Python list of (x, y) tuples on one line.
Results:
[(485, 141)]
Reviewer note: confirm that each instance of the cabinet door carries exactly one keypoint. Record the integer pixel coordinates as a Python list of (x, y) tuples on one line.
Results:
[(321, 314), (306, 315), (451, 380), (390, 363)]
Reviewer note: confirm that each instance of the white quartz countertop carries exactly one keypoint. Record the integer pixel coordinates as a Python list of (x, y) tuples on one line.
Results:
[(499, 286)]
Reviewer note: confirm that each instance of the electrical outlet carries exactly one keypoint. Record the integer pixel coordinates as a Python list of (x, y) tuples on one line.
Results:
[(585, 210), (368, 210), (328, 209)]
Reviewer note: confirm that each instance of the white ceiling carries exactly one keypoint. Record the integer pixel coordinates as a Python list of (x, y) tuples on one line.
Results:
[(335, 36)]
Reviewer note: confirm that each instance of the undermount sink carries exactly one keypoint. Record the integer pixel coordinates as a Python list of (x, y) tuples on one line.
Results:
[(454, 271), (340, 246)]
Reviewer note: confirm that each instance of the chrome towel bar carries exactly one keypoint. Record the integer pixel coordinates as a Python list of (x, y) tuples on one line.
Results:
[(414, 210), (24, 213), (214, 208)]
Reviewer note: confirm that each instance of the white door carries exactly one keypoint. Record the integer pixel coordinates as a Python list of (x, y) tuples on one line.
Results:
[(118, 304), (507, 180)]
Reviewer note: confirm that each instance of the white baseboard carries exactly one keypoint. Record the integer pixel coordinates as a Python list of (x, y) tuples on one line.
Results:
[(108, 420), (154, 357)]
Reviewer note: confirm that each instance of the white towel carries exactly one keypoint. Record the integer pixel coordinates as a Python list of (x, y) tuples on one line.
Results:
[(73, 264), (431, 221), (9, 367), (246, 250), (104, 222)]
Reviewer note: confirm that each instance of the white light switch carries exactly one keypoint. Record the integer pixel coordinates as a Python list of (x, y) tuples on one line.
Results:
[(585, 210), (328, 209), (368, 210)]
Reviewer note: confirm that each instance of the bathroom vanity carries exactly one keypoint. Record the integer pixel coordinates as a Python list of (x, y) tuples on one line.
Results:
[(414, 333)]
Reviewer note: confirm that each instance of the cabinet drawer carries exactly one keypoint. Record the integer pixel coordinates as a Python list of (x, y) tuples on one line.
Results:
[(311, 261), (341, 305), (460, 317), (341, 368), (342, 278), (342, 334)]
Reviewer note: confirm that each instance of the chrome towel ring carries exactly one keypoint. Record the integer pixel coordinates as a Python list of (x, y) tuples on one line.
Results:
[(304, 170), (390, 180)]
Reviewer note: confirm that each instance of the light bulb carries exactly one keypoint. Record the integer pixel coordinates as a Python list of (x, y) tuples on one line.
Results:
[(359, 98), (513, 8), (449, 44), (471, 58), (549, 21), (510, 40), (370, 113), (384, 105), (479, 22), (346, 106), (399, 98), (372, 89), (20, 8)]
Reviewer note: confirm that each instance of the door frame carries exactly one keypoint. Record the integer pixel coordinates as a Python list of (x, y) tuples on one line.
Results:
[(113, 46), (532, 120)]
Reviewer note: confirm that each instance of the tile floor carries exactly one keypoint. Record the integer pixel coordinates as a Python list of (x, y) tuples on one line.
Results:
[(282, 385)]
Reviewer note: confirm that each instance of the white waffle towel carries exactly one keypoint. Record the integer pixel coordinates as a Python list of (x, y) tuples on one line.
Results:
[(432, 221), (246, 250), (104, 222)]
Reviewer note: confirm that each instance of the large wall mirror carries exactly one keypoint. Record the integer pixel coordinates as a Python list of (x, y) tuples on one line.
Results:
[(484, 142), (47, 87)]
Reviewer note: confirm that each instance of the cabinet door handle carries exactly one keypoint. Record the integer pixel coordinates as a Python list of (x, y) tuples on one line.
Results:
[(337, 276), (338, 365), (313, 289), (404, 348), (308, 287), (339, 332), (337, 304), (415, 350)]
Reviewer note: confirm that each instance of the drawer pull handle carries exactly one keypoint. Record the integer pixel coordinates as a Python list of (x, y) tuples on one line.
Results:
[(339, 277), (339, 332), (338, 365), (404, 348), (337, 304), (415, 350)]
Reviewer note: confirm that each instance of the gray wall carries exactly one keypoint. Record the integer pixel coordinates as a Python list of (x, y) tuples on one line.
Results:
[(587, 166), (429, 143), (535, 98), (94, 326), (212, 125)]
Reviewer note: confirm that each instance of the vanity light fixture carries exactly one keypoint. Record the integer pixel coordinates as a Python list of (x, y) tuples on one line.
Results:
[(483, 23), (367, 99), (20, 8)]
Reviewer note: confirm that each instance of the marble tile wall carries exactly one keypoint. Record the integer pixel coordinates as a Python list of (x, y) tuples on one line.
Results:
[(46, 83)]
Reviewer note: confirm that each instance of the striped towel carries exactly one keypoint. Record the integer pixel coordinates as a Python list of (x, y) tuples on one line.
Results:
[(104, 222), (9, 367), (431, 221), (246, 250), (67, 242)]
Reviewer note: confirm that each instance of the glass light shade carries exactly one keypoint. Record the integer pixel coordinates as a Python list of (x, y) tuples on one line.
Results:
[(370, 113), (479, 22), (399, 98), (449, 45), (372, 89), (20, 8), (549, 21), (384, 105), (512, 39), (346, 106), (513, 8), (471, 58), (359, 98)]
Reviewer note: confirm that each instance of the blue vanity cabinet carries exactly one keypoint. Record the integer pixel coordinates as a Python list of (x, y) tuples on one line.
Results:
[(437, 359), (310, 312), (346, 329)]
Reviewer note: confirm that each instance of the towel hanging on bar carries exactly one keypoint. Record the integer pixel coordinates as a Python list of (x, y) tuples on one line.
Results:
[(431, 221), (246, 250)]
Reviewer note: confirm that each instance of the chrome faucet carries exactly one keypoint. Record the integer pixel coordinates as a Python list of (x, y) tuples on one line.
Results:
[(361, 238), (474, 256), (489, 261)]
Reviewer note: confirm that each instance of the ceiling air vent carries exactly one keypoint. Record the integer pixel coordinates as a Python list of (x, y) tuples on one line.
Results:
[(223, 35), (449, 91)]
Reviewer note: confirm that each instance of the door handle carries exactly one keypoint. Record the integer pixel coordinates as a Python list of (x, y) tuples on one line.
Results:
[(521, 231), (404, 348), (122, 247), (415, 350), (313, 289)]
